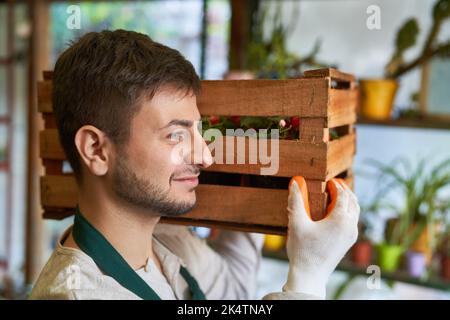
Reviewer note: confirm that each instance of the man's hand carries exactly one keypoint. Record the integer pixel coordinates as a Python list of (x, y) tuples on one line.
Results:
[(315, 248)]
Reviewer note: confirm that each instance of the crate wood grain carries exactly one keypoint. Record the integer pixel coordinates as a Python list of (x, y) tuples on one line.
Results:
[(324, 99)]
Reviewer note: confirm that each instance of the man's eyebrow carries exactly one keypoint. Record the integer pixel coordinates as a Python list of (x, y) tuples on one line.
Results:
[(179, 122)]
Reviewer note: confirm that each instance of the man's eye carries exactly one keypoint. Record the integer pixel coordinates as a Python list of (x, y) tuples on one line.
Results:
[(176, 136)]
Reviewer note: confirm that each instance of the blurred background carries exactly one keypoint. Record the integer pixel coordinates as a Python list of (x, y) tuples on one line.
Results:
[(398, 50)]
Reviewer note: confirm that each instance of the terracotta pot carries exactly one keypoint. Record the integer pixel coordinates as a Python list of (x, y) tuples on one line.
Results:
[(377, 98), (362, 253), (445, 267)]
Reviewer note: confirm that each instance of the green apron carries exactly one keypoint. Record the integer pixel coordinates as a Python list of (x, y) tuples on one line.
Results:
[(95, 245)]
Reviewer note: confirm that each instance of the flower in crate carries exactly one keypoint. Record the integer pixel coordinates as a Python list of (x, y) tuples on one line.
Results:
[(236, 120), (295, 122), (214, 120)]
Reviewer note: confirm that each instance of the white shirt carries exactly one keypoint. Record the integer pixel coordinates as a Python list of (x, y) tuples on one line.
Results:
[(225, 269)]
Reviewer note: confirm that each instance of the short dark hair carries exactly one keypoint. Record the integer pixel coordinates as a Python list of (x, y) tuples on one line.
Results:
[(102, 79)]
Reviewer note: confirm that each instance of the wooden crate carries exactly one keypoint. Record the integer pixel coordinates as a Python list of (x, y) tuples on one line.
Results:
[(324, 99)]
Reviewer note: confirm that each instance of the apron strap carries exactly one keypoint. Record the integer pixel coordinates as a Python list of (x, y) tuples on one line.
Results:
[(109, 260)]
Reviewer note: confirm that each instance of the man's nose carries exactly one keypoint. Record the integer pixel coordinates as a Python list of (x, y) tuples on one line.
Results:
[(201, 155)]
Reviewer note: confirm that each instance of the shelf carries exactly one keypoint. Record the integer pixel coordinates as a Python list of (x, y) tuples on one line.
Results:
[(417, 122), (400, 276)]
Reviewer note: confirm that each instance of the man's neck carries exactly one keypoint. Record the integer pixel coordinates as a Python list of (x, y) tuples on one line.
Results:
[(128, 229)]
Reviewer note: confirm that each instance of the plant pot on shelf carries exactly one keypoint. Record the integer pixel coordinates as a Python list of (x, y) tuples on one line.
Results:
[(362, 253), (273, 242), (415, 263), (389, 256), (445, 267), (377, 98), (422, 243)]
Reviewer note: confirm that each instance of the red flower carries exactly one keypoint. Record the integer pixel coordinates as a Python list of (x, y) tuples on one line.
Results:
[(214, 120), (236, 120), (295, 122)]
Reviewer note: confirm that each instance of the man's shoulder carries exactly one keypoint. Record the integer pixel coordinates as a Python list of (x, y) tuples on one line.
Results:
[(69, 274)]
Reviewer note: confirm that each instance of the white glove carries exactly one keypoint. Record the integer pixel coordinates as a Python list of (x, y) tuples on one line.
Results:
[(314, 248)]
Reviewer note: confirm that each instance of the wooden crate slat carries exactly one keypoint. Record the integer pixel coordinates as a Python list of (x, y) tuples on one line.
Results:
[(342, 108), (53, 167), (292, 97), (314, 130), (295, 158), (49, 121), (340, 155), (330, 72), (44, 96), (244, 205), (49, 145), (47, 75), (246, 209), (226, 225), (58, 191), (292, 155), (57, 213)]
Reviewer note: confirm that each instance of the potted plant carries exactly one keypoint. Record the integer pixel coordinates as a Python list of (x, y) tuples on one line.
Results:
[(362, 250), (415, 263), (445, 261), (268, 57), (378, 94), (444, 251), (418, 211)]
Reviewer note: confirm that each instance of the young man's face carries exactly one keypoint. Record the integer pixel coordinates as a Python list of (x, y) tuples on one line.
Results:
[(158, 168)]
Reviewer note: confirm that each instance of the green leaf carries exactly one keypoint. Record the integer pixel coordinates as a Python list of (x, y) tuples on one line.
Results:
[(407, 36), (441, 10)]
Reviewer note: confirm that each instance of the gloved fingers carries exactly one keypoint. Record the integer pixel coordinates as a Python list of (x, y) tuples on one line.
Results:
[(347, 188), (340, 199), (353, 208), (298, 201)]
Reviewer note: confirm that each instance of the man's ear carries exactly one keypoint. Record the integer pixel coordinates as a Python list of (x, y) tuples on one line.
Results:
[(94, 149)]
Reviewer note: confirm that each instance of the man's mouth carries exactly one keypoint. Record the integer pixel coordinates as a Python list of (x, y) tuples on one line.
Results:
[(189, 180)]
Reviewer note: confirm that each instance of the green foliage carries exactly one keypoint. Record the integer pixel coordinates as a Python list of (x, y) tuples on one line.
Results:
[(421, 204), (270, 58), (441, 10), (407, 36), (406, 39), (245, 123)]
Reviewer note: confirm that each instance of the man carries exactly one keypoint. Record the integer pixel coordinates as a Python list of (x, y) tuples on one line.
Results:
[(125, 107)]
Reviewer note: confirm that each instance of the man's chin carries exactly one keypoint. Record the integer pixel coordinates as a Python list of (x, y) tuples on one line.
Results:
[(179, 209)]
